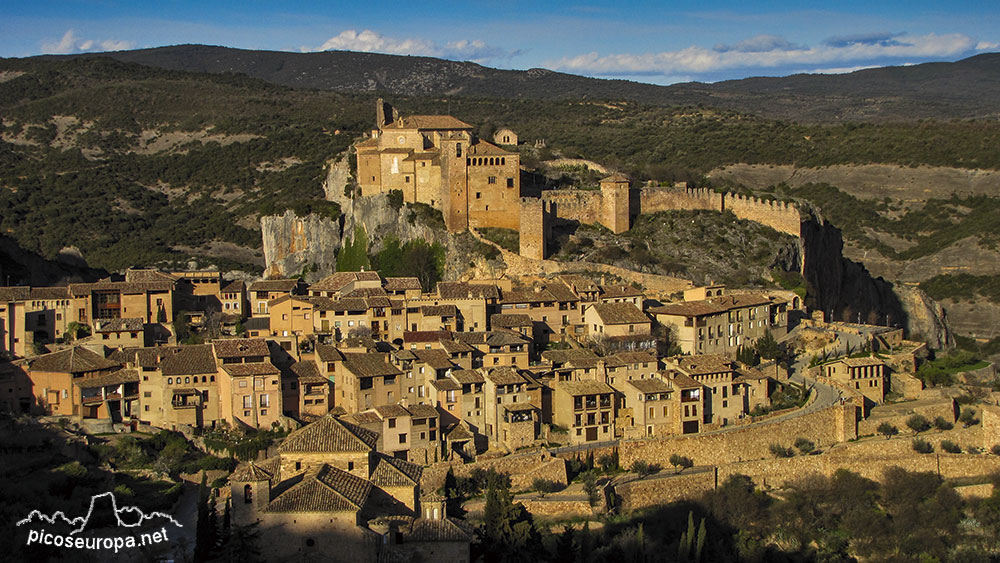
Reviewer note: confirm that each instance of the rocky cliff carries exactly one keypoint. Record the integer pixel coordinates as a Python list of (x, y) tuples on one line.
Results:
[(846, 291), (296, 245)]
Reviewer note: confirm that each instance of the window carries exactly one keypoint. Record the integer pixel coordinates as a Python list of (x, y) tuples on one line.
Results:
[(402, 438), (392, 423), (247, 401), (510, 182), (479, 195), (491, 180), (350, 466), (170, 381)]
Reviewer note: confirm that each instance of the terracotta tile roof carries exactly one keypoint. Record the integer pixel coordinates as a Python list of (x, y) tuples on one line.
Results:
[(49, 293), (456, 347), (704, 364), (505, 338), (369, 292), (391, 411), (510, 320), (328, 353), (654, 385), (240, 347), (329, 435), (579, 283), (563, 356), (619, 313), (307, 372), (460, 432), (403, 355), (327, 489), (236, 286), (120, 325), (478, 337), (144, 275), (189, 360), (505, 376), (535, 295), (445, 385), (442, 530), (682, 381), (257, 323), (428, 122), (369, 365), (120, 376), (392, 472), (338, 280), (711, 306), (286, 285), (577, 388), (349, 305), (422, 411), (401, 284), (465, 290), (14, 293), (73, 360), (439, 311), (485, 148), (562, 292), (467, 376), (249, 473), (83, 289), (244, 370), (437, 359), (366, 417)]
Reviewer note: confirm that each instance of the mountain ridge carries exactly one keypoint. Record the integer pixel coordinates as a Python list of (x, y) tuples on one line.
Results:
[(963, 89)]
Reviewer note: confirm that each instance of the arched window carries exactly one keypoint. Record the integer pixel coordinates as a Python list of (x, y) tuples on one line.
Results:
[(247, 494), (491, 162), (211, 378), (503, 161), (187, 380), (170, 381)]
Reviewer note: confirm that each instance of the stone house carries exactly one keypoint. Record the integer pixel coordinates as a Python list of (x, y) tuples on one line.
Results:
[(616, 320), (262, 292), (586, 409), (866, 376), (648, 408), (720, 324), (120, 333), (249, 384), (511, 420), (75, 382)]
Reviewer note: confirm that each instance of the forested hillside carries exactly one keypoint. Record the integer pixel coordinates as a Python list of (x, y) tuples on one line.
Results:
[(135, 165)]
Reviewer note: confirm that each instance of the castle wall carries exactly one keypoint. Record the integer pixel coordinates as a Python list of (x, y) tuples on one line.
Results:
[(583, 206), (780, 216), (494, 204), (534, 228), (824, 427), (615, 196), (651, 200)]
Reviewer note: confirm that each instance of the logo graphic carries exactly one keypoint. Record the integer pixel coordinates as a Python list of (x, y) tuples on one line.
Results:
[(102, 513)]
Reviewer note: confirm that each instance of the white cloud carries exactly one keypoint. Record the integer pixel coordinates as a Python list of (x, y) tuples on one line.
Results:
[(369, 41), (987, 46), (70, 43), (768, 51)]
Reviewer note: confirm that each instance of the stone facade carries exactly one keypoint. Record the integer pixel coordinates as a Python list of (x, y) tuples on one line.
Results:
[(534, 228)]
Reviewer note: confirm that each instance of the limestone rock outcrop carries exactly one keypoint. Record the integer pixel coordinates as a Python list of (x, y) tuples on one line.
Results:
[(293, 244)]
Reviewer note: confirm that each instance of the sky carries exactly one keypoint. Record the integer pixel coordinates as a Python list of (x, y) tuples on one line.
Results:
[(657, 42)]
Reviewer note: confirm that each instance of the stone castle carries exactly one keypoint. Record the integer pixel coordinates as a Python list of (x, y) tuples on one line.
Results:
[(438, 160)]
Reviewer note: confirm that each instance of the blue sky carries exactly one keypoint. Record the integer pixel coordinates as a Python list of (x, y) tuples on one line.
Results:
[(658, 42)]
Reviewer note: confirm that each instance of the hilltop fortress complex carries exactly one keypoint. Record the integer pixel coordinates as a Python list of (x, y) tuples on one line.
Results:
[(438, 160)]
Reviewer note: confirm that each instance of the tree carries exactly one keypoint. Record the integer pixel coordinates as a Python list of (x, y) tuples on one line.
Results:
[(968, 417), (781, 451), (644, 468), (887, 430), (922, 446), (590, 487), (804, 445), (243, 545), (565, 547), (943, 424), (918, 423), (508, 531), (767, 347), (692, 542), (951, 447), (544, 486), (680, 462)]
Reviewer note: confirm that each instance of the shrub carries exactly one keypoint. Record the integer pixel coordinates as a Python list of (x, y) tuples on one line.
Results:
[(922, 446), (887, 430), (680, 462), (995, 450), (781, 451), (968, 417), (951, 447), (804, 445), (918, 423), (590, 487), (942, 424), (545, 486), (644, 468)]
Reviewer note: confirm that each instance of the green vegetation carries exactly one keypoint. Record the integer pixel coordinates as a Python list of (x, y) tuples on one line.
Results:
[(777, 450), (960, 287), (415, 258), (680, 462), (702, 245), (805, 445), (941, 424), (506, 238), (951, 447), (941, 370), (243, 444), (888, 430), (922, 446), (918, 423)]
